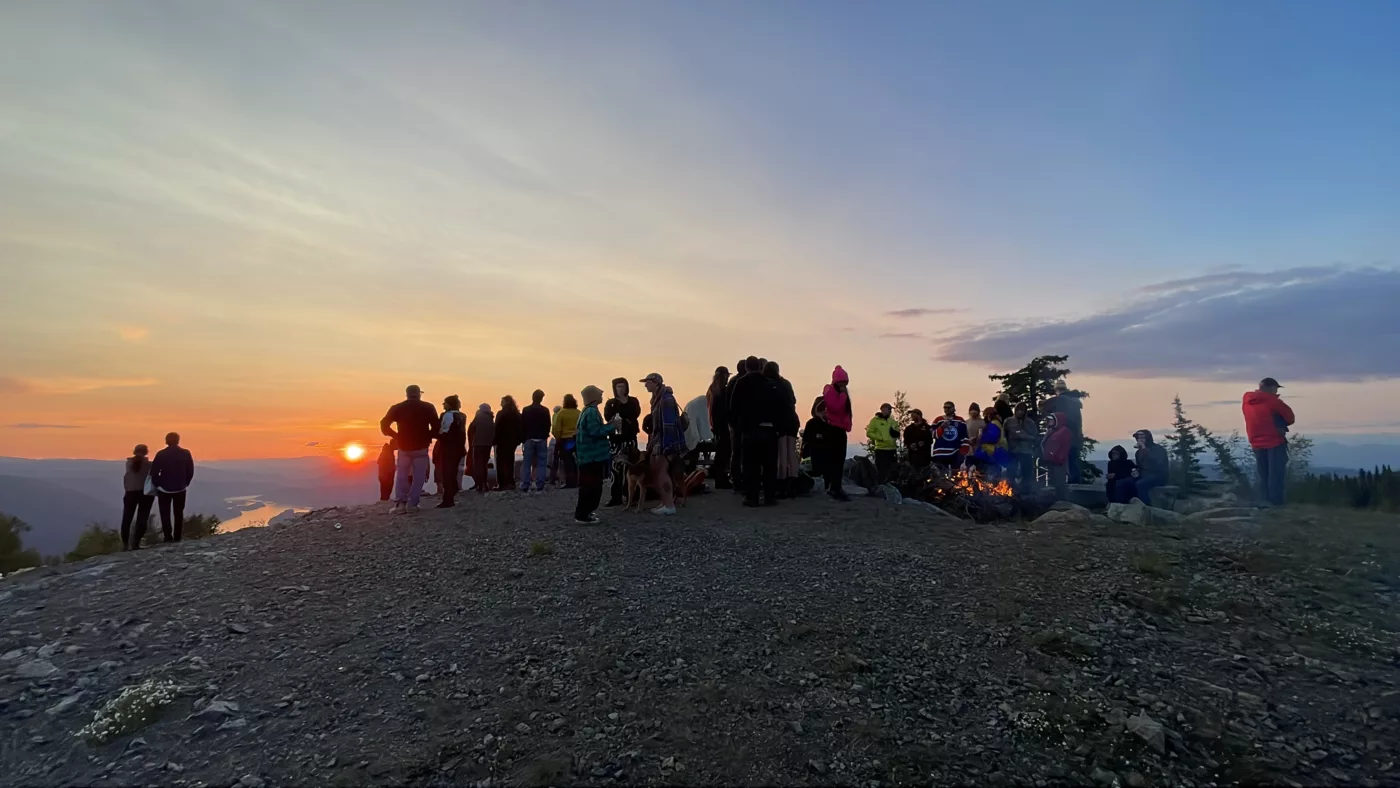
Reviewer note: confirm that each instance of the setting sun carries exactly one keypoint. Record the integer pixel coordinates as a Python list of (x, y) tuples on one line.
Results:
[(354, 452)]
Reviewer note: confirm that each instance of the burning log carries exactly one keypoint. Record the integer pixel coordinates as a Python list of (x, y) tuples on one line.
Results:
[(967, 494)]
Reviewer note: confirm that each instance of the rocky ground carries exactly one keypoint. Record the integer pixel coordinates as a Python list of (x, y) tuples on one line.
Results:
[(815, 643)]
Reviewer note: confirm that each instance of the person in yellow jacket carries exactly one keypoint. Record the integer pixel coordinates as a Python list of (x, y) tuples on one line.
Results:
[(564, 430), (883, 432)]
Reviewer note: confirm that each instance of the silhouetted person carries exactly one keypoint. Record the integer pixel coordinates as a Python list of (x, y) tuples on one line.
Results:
[(736, 448), (623, 439), (665, 442), (1070, 408), (1152, 465), (1120, 481), (565, 432), (172, 471), (594, 454), (507, 441), (452, 447), (883, 432), (386, 471), (1022, 440), (825, 444), (535, 423), (481, 437), (918, 441), (137, 501), (717, 405), (418, 424), (758, 407)]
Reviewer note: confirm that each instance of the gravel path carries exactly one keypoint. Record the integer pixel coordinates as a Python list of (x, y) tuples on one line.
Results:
[(813, 643)]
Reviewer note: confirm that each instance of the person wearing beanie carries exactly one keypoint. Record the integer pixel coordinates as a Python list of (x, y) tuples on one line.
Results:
[(838, 401), (825, 444), (623, 439), (594, 454), (883, 433), (137, 500)]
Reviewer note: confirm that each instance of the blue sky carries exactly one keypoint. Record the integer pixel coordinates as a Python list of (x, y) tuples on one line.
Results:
[(302, 197)]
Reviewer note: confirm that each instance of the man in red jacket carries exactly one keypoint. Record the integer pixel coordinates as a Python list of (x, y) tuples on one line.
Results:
[(1266, 421)]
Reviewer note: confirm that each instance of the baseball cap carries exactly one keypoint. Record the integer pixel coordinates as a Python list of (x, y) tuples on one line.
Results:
[(884, 405), (654, 377), (411, 390), (1269, 383)]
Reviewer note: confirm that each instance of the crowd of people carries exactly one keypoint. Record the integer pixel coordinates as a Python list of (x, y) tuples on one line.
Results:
[(758, 442)]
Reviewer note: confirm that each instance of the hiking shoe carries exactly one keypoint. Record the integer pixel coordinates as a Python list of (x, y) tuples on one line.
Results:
[(399, 508), (411, 510), (664, 511), (445, 505), (839, 495), (591, 520)]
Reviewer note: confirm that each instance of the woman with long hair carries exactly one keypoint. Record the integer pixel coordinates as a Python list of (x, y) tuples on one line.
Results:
[(565, 430), (508, 437), (717, 405), (137, 499)]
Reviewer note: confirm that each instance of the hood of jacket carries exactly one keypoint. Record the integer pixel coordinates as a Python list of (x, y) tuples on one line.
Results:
[(626, 386), (1145, 434)]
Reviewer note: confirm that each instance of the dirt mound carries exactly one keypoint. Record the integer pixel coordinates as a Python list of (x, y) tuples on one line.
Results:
[(812, 643)]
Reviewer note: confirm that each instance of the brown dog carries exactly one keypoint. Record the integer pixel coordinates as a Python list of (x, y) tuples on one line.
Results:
[(638, 472)]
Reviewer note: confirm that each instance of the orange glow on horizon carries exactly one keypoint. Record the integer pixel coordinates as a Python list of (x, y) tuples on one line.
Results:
[(353, 452)]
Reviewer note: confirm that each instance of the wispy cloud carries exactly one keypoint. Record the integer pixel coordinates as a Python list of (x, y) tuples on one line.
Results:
[(921, 312), (70, 384), (1317, 323), (26, 425), (133, 333), (900, 335), (1214, 403)]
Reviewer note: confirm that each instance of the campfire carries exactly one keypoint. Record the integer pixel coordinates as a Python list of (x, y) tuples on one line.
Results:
[(967, 494)]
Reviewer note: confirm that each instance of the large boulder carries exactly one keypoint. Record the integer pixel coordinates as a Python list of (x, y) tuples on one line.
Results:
[(1092, 496), (1068, 506), (1065, 516), (1135, 512), (1165, 497)]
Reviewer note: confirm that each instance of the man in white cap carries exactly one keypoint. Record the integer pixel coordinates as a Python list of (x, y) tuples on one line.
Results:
[(417, 423)]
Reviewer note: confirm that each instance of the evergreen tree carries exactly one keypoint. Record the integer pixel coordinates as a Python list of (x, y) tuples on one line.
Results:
[(13, 554), (95, 540), (1228, 455), (1183, 444), (1034, 382), (1299, 456)]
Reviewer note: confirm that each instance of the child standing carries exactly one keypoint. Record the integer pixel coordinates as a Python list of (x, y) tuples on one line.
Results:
[(593, 453)]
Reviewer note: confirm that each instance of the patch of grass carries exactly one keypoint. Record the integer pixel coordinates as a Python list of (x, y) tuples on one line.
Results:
[(540, 548), (1151, 564)]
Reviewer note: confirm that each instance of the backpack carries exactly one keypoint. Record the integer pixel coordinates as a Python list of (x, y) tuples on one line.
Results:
[(1057, 445)]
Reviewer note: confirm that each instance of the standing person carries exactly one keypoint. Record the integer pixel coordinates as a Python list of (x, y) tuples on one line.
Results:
[(171, 473), (553, 447), (825, 444), (757, 408), (1152, 462), (623, 439), (1022, 439), (1266, 420), (736, 449), (918, 442), (136, 501), (452, 450), (481, 436), (992, 455), (1071, 409), (950, 442), (508, 437), (717, 405), (883, 432), (417, 423), (565, 431), (535, 426), (1055, 451), (837, 397), (1003, 407), (1121, 479), (666, 444), (788, 425), (975, 423), (594, 453), (386, 471)]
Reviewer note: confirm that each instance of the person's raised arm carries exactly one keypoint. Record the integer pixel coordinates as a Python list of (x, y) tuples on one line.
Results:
[(1282, 409)]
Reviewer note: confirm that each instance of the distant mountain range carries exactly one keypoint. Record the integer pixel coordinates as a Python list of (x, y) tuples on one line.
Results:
[(59, 498), (1327, 457)]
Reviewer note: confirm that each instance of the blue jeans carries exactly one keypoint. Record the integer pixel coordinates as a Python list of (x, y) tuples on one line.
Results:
[(410, 471), (1075, 446), (1124, 490), (1145, 485), (533, 468), (1272, 465)]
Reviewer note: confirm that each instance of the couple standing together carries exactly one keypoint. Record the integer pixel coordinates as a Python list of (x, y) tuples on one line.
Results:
[(166, 478)]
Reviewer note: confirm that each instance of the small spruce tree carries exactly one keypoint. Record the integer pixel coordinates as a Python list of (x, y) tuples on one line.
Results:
[(1183, 443)]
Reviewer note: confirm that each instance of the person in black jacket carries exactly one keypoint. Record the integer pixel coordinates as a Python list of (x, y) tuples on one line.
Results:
[(417, 423), (535, 422), (736, 440), (825, 444), (452, 450), (757, 407), (918, 442), (789, 425), (623, 439), (171, 473), (508, 436), (1121, 480)]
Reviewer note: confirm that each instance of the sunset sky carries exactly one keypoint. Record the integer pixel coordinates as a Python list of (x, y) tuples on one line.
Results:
[(255, 222)]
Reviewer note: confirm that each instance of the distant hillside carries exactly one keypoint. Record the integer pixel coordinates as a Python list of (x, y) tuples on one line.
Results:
[(56, 513)]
